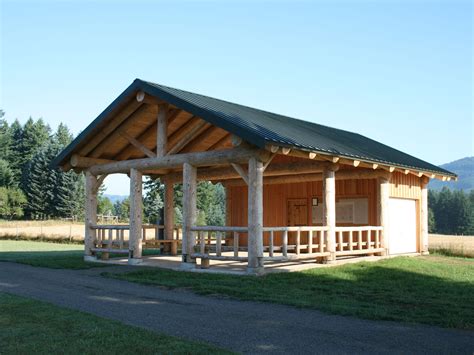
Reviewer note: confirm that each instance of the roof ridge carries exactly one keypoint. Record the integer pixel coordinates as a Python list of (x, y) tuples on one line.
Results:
[(246, 106)]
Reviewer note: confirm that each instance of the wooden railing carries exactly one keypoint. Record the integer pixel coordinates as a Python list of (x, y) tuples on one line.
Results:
[(287, 243), (295, 242), (211, 242), (113, 238), (359, 240)]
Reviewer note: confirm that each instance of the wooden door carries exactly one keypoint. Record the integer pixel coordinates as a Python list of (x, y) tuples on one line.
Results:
[(297, 212), (297, 215)]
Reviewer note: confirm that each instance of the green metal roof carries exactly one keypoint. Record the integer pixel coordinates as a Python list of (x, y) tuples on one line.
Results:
[(261, 127)]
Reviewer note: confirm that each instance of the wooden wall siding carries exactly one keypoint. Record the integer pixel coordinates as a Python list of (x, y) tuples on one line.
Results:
[(275, 199), (405, 186)]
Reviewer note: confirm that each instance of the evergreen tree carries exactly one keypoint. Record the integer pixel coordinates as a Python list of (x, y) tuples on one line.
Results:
[(16, 133), (33, 138), (153, 200), (460, 213), (443, 211), (122, 209), (12, 201), (5, 138), (7, 177)]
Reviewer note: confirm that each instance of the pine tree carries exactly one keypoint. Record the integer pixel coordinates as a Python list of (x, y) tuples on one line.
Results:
[(460, 213), (33, 138), (16, 133), (7, 177), (5, 138), (153, 200), (443, 212)]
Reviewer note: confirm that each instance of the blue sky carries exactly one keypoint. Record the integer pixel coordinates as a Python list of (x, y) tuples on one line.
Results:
[(399, 72)]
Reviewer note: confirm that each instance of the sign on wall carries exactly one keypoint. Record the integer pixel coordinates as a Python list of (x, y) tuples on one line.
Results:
[(348, 210)]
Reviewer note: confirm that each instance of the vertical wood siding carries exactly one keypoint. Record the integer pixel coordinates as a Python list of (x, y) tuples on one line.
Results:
[(405, 186)]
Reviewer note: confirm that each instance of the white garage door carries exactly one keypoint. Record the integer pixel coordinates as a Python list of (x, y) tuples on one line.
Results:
[(402, 238)]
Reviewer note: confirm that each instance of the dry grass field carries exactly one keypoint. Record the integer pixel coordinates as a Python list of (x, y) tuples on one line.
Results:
[(455, 245), (54, 229)]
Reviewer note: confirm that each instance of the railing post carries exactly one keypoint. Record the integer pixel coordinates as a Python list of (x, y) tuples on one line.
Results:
[(329, 211), (285, 243), (202, 242), (236, 244), (135, 237), (270, 247), (310, 242), (189, 214), (255, 217), (91, 216), (218, 243), (298, 241)]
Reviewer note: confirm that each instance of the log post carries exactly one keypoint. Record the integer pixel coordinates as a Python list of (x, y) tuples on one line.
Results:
[(169, 215), (189, 214), (329, 212), (162, 131), (383, 206), (424, 216), (255, 217), (91, 216), (135, 237)]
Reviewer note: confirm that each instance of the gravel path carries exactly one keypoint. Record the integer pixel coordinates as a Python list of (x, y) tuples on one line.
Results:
[(240, 326)]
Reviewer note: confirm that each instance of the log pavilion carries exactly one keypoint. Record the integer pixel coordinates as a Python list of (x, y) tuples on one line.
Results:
[(295, 190)]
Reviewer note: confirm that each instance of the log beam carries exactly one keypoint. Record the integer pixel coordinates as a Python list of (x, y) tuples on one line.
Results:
[(224, 173), (227, 156), (85, 162), (137, 144), (243, 174), (298, 177)]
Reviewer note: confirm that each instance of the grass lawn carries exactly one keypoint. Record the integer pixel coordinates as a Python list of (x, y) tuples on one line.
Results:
[(47, 254), (52, 255), (433, 290), (32, 327)]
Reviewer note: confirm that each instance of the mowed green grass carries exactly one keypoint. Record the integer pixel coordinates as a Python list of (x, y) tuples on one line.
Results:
[(47, 254), (32, 327), (432, 290), (52, 255)]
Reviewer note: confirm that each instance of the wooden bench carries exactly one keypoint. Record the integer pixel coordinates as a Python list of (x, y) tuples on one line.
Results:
[(162, 242)]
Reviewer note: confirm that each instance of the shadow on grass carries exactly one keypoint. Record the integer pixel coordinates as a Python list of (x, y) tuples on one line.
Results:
[(400, 289), (61, 259)]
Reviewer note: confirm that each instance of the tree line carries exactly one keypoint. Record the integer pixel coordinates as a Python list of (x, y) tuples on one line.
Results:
[(451, 212), (31, 189)]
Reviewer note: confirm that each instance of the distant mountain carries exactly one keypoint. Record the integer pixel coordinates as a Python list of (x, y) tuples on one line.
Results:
[(115, 198), (464, 168)]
